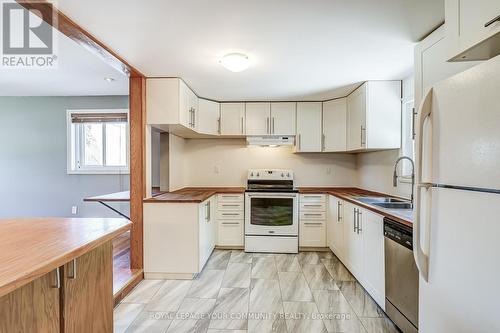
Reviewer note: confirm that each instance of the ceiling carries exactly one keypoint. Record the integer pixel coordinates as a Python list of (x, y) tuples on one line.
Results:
[(79, 72)]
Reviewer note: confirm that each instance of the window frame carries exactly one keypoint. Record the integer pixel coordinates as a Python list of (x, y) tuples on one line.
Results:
[(74, 146)]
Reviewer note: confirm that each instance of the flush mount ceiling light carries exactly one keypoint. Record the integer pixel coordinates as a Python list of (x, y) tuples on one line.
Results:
[(109, 79), (235, 62)]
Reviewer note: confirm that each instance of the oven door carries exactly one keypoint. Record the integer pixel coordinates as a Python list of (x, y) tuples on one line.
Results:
[(271, 214)]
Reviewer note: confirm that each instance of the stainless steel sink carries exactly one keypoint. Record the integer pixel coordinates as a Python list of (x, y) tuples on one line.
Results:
[(394, 205), (374, 200)]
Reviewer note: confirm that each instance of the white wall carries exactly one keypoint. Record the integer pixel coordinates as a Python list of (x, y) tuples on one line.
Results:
[(224, 162), (375, 169)]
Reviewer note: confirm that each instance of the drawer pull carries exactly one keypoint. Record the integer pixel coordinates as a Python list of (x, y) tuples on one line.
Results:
[(309, 205), (230, 223), (230, 214), (230, 205), (73, 268), (490, 22), (312, 214), (58, 280), (313, 223)]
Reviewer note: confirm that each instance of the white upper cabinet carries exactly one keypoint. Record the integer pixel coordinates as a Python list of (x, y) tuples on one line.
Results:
[(283, 118), (232, 119), (258, 118), (208, 117), (309, 134), (472, 29), (374, 116), (169, 101), (334, 125)]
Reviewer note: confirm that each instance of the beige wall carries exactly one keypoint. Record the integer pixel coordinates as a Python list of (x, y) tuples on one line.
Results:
[(224, 162)]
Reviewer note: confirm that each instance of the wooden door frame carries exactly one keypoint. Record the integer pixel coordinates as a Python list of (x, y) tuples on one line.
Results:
[(137, 113)]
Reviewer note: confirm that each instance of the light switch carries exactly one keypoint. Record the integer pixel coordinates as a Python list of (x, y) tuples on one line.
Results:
[(74, 210)]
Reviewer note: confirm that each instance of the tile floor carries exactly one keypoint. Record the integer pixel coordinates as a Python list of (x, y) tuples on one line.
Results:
[(241, 292)]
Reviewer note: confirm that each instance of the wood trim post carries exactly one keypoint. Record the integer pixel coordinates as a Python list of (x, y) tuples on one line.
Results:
[(137, 103)]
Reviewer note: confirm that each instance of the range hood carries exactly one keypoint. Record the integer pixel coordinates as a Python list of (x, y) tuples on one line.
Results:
[(270, 140)]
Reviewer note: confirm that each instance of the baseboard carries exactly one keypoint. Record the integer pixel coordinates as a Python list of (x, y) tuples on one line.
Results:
[(314, 249), (169, 276), (229, 247)]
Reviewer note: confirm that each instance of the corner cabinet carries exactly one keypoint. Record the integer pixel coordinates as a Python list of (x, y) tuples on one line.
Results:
[(208, 117), (472, 29), (309, 136), (374, 116), (335, 125)]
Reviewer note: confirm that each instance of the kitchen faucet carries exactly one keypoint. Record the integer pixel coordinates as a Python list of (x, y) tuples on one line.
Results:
[(395, 175)]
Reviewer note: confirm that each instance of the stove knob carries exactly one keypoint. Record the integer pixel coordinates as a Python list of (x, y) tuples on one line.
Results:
[(251, 174), (288, 175), (258, 174)]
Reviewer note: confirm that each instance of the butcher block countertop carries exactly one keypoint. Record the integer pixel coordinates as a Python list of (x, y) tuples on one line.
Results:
[(33, 247), (350, 193), (193, 194)]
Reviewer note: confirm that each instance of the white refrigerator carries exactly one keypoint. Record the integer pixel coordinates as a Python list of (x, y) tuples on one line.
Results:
[(457, 210)]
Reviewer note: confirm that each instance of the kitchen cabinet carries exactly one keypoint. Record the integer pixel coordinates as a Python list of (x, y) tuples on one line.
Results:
[(258, 118), (34, 307), (335, 125), (312, 220), (186, 229), (472, 29), (431, 65), (87, 283), (207, 230), (232, 119), (353, 239), (169, 101), (309, 136), (208, 117), (373, 278), (230, 217), (283, 118), (335, 226), (374, 116)]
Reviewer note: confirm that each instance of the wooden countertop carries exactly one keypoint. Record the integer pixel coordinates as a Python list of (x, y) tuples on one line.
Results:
[(32, 247), (348, 194), (193, 194)]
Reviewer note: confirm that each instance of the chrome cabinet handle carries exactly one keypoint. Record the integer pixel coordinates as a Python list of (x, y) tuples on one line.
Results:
[(313, 223), (242, 129), (493, 20), (194, 117), (57, 284), (272, 125), (218, 126), (354, 224), (230, 223), (363, 141), (414, 133), (312, 214), (299, 142), (73, 267), (311, 205), (339, 204), (268, 127), (359, 221), (322, 142)]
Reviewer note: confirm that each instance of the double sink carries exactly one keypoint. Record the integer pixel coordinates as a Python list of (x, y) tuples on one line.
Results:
[(386, 202)]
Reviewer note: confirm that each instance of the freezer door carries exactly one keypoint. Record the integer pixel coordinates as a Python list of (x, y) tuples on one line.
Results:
[(465, 125), (462, 293)]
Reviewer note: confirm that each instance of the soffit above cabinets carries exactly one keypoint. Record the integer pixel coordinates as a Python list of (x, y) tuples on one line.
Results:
[(300, 50)]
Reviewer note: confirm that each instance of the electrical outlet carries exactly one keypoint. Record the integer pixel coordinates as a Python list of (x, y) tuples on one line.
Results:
[(216, 169), (74, 210), (328, 170)]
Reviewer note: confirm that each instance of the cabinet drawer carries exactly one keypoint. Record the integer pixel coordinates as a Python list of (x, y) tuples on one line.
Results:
[(229, 197), (313, 215), (230, 215), (230, 233), (312, 206), (230, 205), (312, 198), (312, 234)]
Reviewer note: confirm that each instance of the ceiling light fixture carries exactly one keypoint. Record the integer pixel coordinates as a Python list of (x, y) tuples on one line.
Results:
[(109, 79), (235, 62)]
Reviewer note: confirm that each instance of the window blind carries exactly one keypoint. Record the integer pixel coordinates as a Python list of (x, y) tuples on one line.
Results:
[(90, 117)]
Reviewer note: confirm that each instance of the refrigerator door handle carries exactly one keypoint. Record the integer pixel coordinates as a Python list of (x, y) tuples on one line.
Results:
[(421, 259)]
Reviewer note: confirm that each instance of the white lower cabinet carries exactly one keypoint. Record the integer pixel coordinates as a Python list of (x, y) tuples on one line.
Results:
[(335, 226), (312, 220), (356, 236), (230, 220)]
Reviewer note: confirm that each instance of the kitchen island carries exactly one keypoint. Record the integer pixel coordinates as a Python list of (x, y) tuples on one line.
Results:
[(56, 274)]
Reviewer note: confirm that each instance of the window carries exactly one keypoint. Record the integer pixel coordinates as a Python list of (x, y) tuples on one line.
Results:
[(98, 141), (408, 138)]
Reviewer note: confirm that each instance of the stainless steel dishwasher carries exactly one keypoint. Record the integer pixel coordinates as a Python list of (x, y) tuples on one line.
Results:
[(401, 276)]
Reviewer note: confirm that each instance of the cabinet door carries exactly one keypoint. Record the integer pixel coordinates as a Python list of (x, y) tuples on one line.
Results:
[(185, 105), (208, 117), (283, 118), (32, 308), (232, 118), (335, 125), (308, 127), (205, 232), (258, 118), (353, 240), (312, 233), (373, 255), (335, 227), (88, 292), (356, 119), (230, 233)]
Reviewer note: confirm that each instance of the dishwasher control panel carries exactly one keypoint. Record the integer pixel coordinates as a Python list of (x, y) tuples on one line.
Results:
[(399, 233)]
